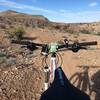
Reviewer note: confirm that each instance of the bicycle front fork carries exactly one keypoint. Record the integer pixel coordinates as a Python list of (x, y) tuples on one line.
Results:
[(47, 77)]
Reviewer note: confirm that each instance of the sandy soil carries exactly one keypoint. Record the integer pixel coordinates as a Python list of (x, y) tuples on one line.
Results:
[(85, 78)]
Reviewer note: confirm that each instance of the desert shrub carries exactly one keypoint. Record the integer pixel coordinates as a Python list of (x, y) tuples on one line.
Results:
[(15, 33), (41, 25), (69, 31), (85, 31), (75, 36), (9, 34), (2, 26), (65, 37), (98, 33), (19, 32), (27, 24), (83, 39), (11, 26), (57, 27), (9, 22), (7, 59), (33, 26)]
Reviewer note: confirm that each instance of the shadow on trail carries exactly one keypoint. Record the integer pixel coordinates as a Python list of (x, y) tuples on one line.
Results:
[(82, 80), (29, 38), (63, 92), (96, 86)]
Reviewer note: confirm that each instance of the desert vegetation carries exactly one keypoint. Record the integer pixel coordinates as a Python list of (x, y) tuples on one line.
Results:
[(15, 33)]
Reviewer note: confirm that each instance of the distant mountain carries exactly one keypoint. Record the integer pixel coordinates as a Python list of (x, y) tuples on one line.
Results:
[(8, 13), (13, 13), (11, 18)]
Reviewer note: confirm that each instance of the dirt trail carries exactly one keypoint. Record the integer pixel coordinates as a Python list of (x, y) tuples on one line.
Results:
[(72, 60)]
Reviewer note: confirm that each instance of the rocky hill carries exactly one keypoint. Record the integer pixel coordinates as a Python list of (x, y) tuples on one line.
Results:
[(10, 19)]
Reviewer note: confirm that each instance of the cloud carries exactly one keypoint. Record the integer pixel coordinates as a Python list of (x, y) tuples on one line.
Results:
[(7, 3), (75, 17), (93, 4), (64, 11), (23, 6), (61, 15)]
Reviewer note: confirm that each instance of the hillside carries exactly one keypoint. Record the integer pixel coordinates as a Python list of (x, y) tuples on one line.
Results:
[(26, 20), (21, 19)]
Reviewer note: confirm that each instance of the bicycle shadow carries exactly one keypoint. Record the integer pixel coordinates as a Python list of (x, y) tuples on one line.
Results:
[(96, 86), (29, 38), (82, 80), (57, 91)]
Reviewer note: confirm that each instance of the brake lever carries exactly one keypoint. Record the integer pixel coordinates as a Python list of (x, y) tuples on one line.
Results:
[(31, 47)]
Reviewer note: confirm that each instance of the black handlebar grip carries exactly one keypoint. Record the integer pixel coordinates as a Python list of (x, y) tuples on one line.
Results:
[(26, 43), (20, 42), (87, 43)]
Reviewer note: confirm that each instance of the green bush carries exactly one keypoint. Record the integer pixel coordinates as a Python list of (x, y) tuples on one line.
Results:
[(69, 31), (15, 33), (18, 33), (41, 26), (98, 33), (57, 27), (85, 31), (33, 26), (27, 24)]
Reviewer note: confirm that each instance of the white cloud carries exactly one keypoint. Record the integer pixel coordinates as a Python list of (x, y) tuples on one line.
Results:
[(64, 11), (93, 4), (7, 3), (23, 6), (74, 17), (61, 15)]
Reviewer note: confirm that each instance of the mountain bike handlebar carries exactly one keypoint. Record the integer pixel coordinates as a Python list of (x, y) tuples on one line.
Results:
[(26, 43), (75, 47), (79, 44)]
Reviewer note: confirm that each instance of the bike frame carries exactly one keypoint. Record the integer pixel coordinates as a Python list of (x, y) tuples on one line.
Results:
[(53, 67), (50, 72)]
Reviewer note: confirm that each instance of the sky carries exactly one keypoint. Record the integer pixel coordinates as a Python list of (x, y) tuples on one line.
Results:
[(67, 11)]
